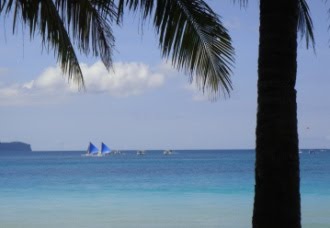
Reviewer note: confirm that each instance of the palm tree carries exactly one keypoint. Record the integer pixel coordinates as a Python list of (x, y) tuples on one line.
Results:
[(193, 36), (277, 198), (277, 189), (277, 194)]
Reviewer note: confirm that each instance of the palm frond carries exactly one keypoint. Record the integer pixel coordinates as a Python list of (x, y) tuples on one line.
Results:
[(328, 11), (6, 5), (195, 39), (54, 33), (305, 23), (42, 17), (242, 3), (145, 6), (87, 22)]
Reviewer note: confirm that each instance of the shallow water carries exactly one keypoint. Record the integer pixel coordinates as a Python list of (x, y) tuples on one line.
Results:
[(186, 189)]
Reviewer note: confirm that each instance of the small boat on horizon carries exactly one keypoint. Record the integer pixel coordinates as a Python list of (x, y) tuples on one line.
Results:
[(312, 151), (140, 152), (168, 152), (116, 152)]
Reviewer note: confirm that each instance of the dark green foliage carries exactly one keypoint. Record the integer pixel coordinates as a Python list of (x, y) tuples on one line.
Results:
[(305, 23), (60, 23), (191, 34)]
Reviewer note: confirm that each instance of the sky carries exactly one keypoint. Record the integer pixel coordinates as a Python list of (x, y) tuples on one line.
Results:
[(143, 103)]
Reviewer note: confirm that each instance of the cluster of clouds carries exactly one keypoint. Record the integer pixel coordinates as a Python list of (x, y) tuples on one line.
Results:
[(123, 80)]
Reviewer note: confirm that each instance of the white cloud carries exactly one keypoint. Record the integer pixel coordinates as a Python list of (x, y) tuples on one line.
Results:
[(125, 79)]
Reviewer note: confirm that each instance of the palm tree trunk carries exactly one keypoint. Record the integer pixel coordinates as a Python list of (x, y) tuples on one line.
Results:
[(277, 196)]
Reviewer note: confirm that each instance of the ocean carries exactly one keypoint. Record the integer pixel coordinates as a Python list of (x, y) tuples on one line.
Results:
[(189, 188)]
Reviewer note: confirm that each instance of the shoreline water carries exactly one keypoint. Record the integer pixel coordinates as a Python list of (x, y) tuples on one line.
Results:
[(189, 189)]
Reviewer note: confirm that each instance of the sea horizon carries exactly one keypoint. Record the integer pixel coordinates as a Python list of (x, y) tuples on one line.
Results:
[(319, 149)]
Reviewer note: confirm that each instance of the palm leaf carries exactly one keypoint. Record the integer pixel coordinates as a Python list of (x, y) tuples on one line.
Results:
[(54, 33), (193, 36), (146, 7), (88, 22), (243, 3), (305, 23)]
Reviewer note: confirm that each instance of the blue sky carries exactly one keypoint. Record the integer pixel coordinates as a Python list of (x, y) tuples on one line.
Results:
[(146, 104)]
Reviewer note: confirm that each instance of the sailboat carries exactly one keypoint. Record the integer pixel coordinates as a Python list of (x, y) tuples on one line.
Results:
[(92, 150), (105, 150)]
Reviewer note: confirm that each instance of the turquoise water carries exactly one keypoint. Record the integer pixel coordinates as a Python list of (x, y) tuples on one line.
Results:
[(186, 189)]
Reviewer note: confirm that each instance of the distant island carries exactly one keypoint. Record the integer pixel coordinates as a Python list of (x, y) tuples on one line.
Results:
[(15, 146)]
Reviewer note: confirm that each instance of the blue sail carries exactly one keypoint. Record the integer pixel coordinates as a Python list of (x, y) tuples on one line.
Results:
[(105, 149), (92, 149)]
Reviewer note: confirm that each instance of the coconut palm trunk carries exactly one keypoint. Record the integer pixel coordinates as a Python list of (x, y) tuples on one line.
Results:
[(277, 194)]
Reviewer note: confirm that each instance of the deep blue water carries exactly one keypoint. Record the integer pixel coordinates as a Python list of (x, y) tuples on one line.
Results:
[(202, 188)]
